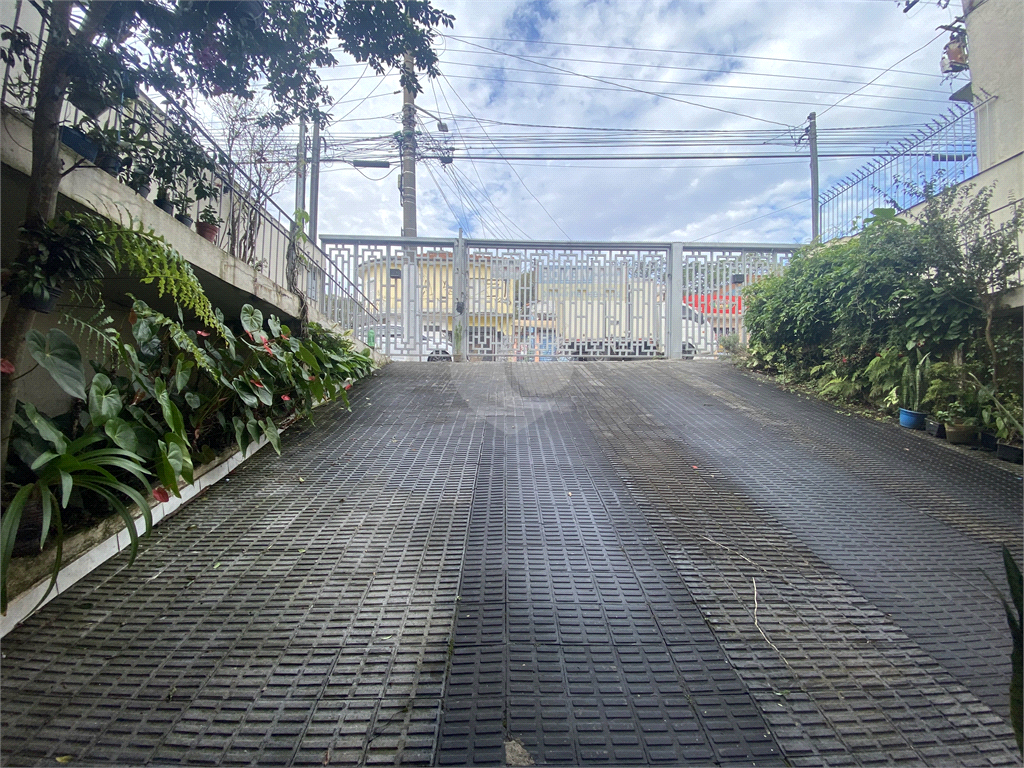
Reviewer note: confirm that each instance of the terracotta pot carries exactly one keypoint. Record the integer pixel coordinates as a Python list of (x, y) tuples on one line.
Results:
[(209, 231)]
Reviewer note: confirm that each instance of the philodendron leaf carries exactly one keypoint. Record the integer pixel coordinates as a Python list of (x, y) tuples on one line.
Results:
[(273, 436), (193, 400), (59, 355), (104, 400), (46, 430), (123, 434), (240, 435), (171, 413), (252, 319), (274, 324)]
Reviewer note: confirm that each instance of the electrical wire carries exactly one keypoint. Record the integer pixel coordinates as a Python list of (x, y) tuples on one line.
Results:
[(756, 218), (890, 69), (472, 164), (732, 86), (536, 199), (637, 90), (464, 38)]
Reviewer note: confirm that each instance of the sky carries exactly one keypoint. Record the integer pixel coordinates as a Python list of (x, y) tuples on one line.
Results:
[(749, 69)]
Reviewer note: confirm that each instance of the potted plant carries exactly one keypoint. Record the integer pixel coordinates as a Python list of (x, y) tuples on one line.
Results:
[(100, 82), (209, 223), (1004, 416), (954, 395), (110, 155), (78, 141), (912, 388), (183, 205), (960, 423), (164, 201), (64, 249)]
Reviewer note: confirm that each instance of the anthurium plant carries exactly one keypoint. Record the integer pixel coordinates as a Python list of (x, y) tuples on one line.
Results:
[(174, 399)]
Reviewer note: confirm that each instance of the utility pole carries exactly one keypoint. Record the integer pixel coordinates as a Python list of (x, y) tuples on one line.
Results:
[(410, 281), (314, 184), (812, 135), (408, 157), (300, 169)]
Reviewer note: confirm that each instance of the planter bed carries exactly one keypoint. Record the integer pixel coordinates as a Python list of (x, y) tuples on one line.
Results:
[(86, 550)]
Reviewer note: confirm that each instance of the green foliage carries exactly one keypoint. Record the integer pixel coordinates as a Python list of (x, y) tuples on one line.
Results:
[(914, 381), (843, 313), (69, 248), (176, 398), (59, 355), (211, 48), (62, 466), (1014, 609)]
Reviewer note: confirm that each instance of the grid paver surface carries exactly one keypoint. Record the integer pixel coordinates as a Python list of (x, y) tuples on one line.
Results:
[(650, 563)]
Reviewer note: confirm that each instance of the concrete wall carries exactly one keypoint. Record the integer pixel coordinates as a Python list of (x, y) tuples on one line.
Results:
[(995, 29)]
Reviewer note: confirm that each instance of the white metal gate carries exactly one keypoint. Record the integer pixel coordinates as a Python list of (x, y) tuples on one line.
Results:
[(438, 299)]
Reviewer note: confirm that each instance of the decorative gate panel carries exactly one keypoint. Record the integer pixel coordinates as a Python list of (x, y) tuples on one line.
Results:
[(495, 300)]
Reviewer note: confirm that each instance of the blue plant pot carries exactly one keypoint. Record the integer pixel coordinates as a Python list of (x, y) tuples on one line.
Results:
[(912, 419), (77, 141)]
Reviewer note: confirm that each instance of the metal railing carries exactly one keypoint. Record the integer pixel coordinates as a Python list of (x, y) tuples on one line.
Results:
[(942, 153), (254, 229), (510, 300)]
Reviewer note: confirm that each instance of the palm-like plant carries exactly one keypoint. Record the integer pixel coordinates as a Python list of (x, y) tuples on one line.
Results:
[(61, 467)]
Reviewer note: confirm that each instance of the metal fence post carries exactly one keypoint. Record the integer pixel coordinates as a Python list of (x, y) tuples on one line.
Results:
[(460, 314), (674, 304)]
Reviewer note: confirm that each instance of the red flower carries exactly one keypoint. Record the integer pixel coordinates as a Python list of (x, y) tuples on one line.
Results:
[(266, 346), (285, 397), (160, 494), (6, 366), (251, 337), (257, 382), (204, 334)]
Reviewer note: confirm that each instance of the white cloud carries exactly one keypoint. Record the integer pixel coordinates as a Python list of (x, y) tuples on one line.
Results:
[(640, 200)]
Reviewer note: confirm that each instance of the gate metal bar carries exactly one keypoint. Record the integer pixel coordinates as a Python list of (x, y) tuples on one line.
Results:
[(438, 298)]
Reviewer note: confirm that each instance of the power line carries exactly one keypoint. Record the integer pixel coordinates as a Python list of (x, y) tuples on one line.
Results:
[(756, 218), (701, 70), (671, 94), (472, 164), (890, 69), (559, 226), (638, 90), (464, 38), (505, 158)]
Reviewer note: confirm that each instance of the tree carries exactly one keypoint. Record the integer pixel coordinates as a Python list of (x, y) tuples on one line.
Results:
[(970, 250), (264, 160), (186, 47)]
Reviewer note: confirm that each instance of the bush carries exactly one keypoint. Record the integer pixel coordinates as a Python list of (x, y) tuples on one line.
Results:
[(845, 315)]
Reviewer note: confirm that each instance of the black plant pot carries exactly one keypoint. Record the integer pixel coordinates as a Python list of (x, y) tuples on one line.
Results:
[(988, 441), (167, 206), (1011, 453), (44, 306), (109, 163), (89, 103), (144, 191), (78, 142), (935, 428), (186, 220)]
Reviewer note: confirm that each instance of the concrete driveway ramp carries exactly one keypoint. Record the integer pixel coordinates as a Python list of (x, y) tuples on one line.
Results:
[(653, 563)]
